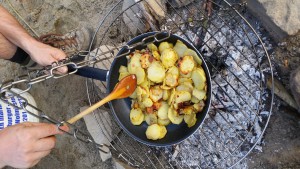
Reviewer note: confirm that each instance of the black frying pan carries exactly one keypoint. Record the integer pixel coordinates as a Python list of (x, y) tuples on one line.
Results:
[(121, 107)]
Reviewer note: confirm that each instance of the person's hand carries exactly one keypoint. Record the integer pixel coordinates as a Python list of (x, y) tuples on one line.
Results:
[(25, 144), (45, 55)]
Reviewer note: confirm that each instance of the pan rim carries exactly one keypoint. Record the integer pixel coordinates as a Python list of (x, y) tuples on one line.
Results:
[(208, 102)]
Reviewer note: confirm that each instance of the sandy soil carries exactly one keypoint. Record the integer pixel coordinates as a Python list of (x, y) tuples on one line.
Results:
[(62, 98)]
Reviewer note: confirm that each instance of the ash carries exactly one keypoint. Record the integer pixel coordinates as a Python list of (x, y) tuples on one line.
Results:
[(238, 114)]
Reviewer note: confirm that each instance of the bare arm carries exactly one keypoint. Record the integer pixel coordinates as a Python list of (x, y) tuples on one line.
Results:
[(14, 32), (41, 53)]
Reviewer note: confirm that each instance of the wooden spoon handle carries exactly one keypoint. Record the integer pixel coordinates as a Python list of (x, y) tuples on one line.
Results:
[(90, 109), (114, 95)]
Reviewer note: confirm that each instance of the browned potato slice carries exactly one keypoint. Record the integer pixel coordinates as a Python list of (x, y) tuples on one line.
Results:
[(156, 72), (156, 93), (168, 58), (172, 77), (136, 116), (145, 60), (187, 110), (190, 119), (186, 64), (174, 117), (190, 52), (188, 75), (151, 119)]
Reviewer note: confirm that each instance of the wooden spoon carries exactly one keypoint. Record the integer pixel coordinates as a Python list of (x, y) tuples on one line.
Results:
[(122, 90)]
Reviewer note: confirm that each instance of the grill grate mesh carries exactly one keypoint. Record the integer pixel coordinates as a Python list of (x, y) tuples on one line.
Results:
[(238, 60)]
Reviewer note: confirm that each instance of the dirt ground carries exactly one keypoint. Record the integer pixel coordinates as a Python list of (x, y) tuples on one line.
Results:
[(63, 97), (282, 137)]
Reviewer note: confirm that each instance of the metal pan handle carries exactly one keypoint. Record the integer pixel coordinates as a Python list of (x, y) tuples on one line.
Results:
[(90, 72)]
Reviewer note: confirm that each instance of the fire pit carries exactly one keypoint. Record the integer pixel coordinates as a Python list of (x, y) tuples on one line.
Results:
[(241, 105)]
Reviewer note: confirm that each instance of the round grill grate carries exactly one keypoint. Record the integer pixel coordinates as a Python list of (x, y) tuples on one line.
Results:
[(238, 61)]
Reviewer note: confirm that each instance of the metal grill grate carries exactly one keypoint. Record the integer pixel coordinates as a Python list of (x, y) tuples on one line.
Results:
[(241, 106)]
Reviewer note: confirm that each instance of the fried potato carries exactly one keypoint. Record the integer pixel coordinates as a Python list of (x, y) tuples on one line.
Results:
[(172, 76), (163, 122), (190, 119), (166, 94), (190, 52), (180, 48), (153, 132), (199, 94), (156, 55), (136, 116), (140, 75), (162, 112), (123, 69), (174, 117), (182, 96), (163, 46), (156, 72), (123, 74), (144, 59), (152, 47), (199, 78), (147, 102), (187, 110), (199, 106), (184, 87), (168, 58), (163, 131), (134, 63), (156, 93), (186, 64), (151, 118)]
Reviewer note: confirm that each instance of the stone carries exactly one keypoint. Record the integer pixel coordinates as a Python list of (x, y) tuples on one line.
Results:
[(280, 18), (295, 86)]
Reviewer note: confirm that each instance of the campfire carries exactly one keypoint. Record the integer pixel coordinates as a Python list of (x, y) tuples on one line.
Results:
[(236, 57)]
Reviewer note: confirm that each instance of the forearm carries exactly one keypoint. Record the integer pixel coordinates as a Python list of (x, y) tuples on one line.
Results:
[(11, 29)]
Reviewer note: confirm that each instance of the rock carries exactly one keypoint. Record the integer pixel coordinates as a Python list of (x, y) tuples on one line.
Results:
[(295, 86), (179, 3), (280, 18)]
